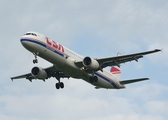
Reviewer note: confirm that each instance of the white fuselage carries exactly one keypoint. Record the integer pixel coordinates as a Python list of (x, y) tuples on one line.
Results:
[(64, 60)]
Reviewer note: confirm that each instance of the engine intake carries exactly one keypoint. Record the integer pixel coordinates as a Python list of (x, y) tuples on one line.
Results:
[(39, 73), (90, 63)]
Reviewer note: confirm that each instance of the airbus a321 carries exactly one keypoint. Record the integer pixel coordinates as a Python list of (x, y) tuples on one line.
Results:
[(67, 63)]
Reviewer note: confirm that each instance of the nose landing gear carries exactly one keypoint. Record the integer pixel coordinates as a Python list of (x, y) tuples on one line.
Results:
[(35, 61), (35, 55)]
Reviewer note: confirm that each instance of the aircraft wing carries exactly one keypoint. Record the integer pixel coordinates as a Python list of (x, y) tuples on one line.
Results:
[(27, 76), (117, 60), (51, 72)]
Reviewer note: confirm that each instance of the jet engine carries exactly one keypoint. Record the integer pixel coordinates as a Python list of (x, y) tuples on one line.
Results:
[(39, 73), (90, 63)]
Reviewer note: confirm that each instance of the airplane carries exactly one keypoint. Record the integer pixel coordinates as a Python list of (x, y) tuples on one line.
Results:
[(66, 64)]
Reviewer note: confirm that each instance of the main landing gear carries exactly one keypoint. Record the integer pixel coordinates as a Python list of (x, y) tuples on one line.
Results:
[(35, 55), (59, 84), (93, 79)]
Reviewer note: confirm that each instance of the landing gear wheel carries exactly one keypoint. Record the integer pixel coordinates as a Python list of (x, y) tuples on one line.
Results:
[(35, 55), (62, 85), (59, 85), (93, 79), (35, 61)]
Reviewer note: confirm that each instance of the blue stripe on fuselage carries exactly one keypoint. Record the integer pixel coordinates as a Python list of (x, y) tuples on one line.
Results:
[(44, 45), (106, 79)]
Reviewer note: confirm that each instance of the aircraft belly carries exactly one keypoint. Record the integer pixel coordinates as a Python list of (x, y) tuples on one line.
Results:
[(71, 69), (104, 84), (54, 58)]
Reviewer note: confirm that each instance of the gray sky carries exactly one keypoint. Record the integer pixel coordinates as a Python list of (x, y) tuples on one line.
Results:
[(93, 28)]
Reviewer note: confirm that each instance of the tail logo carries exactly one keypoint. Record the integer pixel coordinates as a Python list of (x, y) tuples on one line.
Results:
[(115, 70)]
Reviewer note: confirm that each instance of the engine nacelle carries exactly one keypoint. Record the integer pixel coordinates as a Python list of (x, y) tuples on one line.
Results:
[(90, 63), (39, 73)]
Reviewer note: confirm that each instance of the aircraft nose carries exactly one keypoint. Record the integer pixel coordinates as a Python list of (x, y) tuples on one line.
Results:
[(26, 43), (23, 42)]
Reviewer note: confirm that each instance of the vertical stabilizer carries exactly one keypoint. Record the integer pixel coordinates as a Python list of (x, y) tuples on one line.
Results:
[(116, 71)]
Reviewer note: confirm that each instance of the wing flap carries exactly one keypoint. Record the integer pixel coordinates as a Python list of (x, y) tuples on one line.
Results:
[(132, 81)]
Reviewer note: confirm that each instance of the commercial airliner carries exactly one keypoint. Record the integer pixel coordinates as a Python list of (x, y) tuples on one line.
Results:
[(67, 63)]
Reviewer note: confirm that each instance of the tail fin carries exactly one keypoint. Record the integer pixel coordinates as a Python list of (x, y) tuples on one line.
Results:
[(116, 71)]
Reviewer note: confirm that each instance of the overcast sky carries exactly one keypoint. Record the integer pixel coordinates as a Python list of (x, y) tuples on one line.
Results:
[(96, 28)]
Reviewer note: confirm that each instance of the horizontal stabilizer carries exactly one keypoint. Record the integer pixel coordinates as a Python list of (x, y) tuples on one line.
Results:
[(133, 80)]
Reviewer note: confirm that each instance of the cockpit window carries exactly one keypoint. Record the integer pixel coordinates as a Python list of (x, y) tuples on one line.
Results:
[(30, 34)]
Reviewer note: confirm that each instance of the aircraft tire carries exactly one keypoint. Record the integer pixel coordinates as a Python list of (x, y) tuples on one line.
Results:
[(91, 79), (95, 79), (61, 85), (35, 61), (57, 85)]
